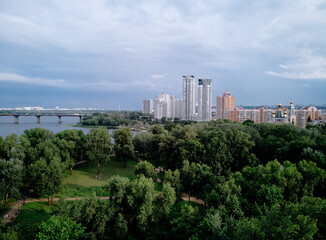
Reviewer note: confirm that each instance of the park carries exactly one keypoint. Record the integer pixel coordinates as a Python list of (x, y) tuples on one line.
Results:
[(177, 179)]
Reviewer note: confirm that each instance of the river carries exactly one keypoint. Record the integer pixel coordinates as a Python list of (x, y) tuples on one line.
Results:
[(7, 125)]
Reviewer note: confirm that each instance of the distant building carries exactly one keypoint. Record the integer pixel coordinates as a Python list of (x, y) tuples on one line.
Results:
[(178, 108), (292, 116), (204, 100), (188, 97), (147, 106), (166, 106), (306, 113), (224, 103), (280, 115)]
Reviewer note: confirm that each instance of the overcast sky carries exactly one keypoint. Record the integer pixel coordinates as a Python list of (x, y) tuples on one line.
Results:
[(106, 54)]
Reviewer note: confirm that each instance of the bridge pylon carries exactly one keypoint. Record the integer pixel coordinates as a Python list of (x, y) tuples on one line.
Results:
[(16, 119)]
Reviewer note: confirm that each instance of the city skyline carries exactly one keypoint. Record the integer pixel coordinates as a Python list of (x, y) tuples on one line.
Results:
[(112, 55)]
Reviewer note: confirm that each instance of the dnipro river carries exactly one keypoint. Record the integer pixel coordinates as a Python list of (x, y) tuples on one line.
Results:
[(7, 125)]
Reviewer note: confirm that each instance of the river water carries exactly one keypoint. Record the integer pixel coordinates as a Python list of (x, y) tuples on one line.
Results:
[(7, 125)]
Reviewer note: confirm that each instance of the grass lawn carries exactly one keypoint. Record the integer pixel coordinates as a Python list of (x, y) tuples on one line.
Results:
[(31, 216), (82, 182)]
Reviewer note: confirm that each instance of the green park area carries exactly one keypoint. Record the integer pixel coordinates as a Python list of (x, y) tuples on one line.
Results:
[(242, 181), (30, 217), (83, 181)]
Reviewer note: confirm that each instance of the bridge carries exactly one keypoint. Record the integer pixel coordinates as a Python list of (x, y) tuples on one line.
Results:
[(49, 113)]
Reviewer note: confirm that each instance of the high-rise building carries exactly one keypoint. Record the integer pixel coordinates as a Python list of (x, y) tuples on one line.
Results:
[(178, 108), (223, 103), (204, 99), (165, 106), (188, 97), (148, 106)]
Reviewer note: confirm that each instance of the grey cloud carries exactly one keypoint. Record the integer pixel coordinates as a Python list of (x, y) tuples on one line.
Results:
[(121, 45)]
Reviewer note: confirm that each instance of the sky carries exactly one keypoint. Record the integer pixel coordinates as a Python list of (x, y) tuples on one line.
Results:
[(113, 54)]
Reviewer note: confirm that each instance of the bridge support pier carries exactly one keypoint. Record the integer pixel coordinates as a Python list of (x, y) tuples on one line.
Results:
[(80, 118), (38, 119), (16, 119), (59, 120)]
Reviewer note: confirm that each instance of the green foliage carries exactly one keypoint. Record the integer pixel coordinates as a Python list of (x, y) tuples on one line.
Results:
[(312, 176), (31, 216), (112, 119), (11, 177), (99, 146), (315, 208), (167, 199), (196, 179), (91, 212), (288, 223), (60, 228), (71, 144), (185, 221), (260, 181), (173, 178), (147, 169), (141, 200), (10, 234), (47, 177), (123, 147), (142, 142)]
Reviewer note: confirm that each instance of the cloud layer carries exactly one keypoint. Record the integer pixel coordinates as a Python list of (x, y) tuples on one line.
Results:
[(146, 46)]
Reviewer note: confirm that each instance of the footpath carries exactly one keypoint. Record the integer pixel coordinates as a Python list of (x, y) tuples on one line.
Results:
[(16, 207)]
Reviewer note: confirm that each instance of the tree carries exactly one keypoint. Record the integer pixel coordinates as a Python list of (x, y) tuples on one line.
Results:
[(72, 146), (316, 156), (11, 178), (288, 223), (118, 187), (11, 234), (215, 153), (239, 145), (173, 178), (315, 208), (247, 229), (92, 213), (166, 200), (147, 169), (141, 201), (123, 147), (312, 176), (10, 142), (47, 177), (99, 146), (196, 179), (187, 175), (142, 142), (185, 221), (121, 226), (57, 227)]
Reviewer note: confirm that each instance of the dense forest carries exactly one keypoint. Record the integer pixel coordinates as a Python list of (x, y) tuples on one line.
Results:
[(255, 181)]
